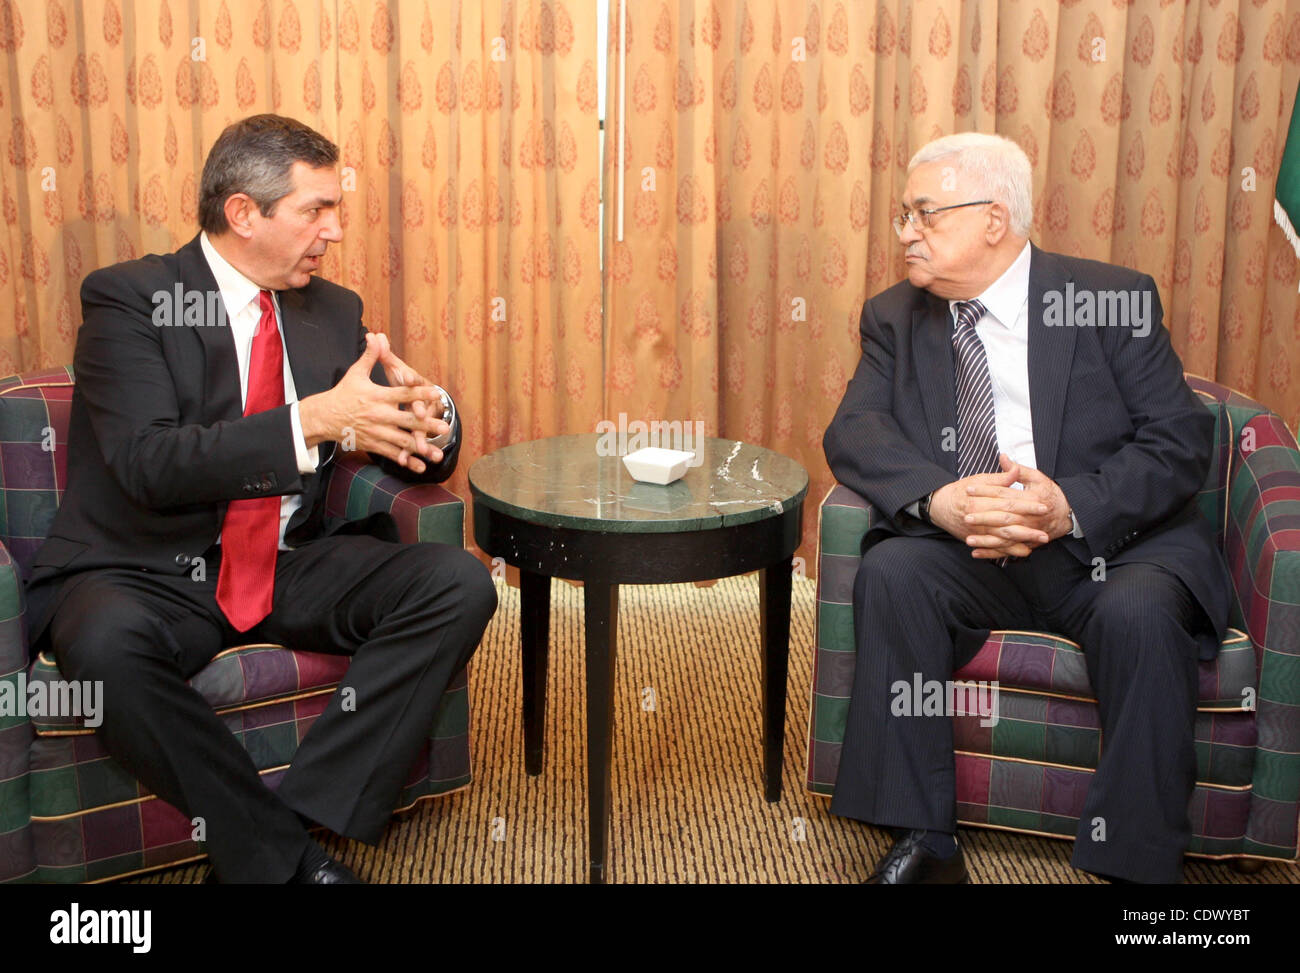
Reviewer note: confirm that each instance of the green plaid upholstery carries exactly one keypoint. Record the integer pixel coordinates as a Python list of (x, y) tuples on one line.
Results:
[(1039, 728), (17, 856), (423, 511), (1045, 799), (1049, 663), (1030, 771), (68, 812), (34, 412)]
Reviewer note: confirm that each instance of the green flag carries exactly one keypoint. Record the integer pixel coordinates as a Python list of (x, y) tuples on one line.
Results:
[(1286, 197)]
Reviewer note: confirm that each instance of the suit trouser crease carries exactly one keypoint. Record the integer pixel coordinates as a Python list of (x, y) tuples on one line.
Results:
[(1142, 664)]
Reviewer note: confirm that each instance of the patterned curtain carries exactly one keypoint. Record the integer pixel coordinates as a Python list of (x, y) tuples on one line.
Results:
[(469, 141), (766, 148)]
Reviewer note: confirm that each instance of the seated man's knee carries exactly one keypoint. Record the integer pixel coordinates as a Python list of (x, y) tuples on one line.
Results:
[(475, 583), (102, 633), (895, 562), (458, 572), (1142, 599)]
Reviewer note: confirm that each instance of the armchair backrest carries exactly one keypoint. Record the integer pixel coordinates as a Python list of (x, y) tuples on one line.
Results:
[(1249, 497), (1242, 426), (34, 411)]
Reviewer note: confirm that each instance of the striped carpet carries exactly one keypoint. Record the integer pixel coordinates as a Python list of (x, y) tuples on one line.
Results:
[(687, 773)]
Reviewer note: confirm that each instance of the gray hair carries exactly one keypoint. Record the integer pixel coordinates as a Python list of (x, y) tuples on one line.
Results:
[(255, 156), (997, 166)]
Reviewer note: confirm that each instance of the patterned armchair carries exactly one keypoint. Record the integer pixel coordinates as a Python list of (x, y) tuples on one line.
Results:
[(1029, 772), (68, 812)]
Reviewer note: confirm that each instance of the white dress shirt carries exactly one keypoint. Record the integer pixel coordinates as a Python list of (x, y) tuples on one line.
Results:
[(243, 312), (1004, 332)]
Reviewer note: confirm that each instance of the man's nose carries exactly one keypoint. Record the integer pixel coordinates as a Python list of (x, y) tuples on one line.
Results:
[(331, 227), (909, 235)]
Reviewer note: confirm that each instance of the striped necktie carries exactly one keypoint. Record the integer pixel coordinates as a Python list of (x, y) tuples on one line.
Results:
[(977, 440)]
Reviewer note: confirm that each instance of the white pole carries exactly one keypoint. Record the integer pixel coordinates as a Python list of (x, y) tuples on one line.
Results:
[(622, 107)]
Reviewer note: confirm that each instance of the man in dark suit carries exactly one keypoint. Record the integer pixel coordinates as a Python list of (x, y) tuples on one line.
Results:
[(1036, 467), (214, 388)]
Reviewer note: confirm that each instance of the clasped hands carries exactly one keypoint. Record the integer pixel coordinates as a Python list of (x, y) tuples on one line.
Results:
[(395, 421), (996, 519)]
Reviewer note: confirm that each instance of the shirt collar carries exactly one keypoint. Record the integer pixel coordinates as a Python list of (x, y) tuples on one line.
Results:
[(1006, 295), (237, 291)]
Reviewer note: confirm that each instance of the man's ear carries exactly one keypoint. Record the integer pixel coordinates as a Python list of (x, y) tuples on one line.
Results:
[(239, 209), (998, 225)]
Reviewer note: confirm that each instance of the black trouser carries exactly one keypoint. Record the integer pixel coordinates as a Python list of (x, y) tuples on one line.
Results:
[(410, 615), (924, 605)]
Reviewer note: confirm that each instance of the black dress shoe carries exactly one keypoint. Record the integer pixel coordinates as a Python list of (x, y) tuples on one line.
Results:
[(329, 873), (908, 863)]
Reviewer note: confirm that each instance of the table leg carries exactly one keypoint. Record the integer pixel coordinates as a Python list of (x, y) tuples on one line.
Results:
[(600, 606), (535, 631), (774, 608)]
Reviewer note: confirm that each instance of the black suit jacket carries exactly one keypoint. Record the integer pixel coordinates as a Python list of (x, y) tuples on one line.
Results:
[(157, 441), (1114, 424)]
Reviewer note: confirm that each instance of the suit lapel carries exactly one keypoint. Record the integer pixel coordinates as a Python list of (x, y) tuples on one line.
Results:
[(932, 352), (222, 399), (302, 340), (312, 371), (1051, 352)]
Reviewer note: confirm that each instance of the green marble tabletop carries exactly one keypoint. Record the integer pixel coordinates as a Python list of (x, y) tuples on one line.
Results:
[(564, 481)]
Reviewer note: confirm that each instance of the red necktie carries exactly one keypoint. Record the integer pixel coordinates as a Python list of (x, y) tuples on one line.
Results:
[(250, 534)]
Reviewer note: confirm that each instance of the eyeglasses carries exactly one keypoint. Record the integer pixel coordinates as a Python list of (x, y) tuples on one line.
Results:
[(924, 218)]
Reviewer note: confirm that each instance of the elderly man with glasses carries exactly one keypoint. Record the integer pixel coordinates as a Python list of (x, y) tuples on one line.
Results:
[(1036, 463)]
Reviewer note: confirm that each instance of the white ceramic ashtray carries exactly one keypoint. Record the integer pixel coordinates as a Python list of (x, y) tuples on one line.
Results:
[(654, 464)]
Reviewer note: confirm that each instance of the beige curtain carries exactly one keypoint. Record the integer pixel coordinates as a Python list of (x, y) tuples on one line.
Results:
[(469, 141)]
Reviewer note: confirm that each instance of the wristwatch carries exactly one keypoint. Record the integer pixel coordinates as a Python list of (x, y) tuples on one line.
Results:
[(448, 416), (1075, 529), (923, 507)]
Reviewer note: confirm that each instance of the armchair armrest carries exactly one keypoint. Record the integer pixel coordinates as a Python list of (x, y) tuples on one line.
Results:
[(1262, 549), (17, 858), (423, 511), (13, 637), (842, 524)]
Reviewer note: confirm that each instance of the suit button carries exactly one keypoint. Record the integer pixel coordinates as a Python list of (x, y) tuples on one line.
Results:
[(265, 484), (248, 488), (182, 559)]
